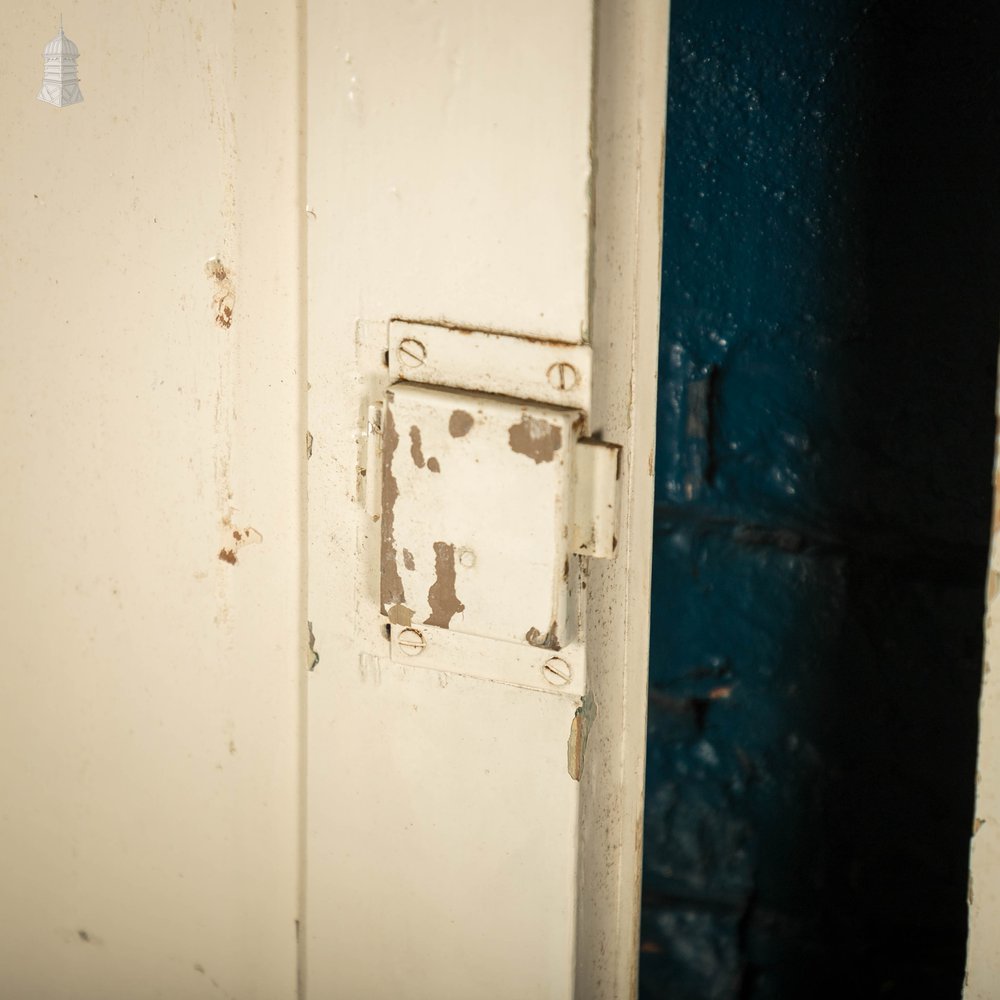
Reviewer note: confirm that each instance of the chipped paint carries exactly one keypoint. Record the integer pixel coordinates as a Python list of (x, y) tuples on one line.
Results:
[(441, 597), (224, 295), (400, 614), (460, 423), (538, 439), (416, 449), (408, 560), (228, 556), (391, 588), (579, 731), (313, 658), (543, 640)]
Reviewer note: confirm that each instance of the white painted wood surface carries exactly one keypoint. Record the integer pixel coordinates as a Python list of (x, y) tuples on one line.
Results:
[(465, 837), (451, 180), (149, 691)]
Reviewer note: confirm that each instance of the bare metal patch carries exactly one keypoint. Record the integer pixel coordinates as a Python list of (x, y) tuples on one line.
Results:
[(416, 449), (443, 601), (460, 423), (538, 439), (434, 465), (392, 584), (408, 561), (579, 731), (400, 614)]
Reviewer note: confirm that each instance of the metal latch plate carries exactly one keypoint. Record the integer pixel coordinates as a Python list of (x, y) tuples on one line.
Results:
[(476, 514)]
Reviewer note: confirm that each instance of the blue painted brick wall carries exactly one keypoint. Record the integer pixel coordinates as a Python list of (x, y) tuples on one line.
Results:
[(830, 312)]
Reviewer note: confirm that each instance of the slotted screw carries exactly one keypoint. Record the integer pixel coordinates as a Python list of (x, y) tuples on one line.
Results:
[(411, 642), (562, 376), (557, 671), (411, 353)]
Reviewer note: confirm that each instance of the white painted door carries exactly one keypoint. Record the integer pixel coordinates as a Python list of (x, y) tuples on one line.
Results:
[(151, 387), (474, 830), (202, 794)]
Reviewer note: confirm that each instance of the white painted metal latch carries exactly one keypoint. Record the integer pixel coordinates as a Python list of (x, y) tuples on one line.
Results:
[(488, 493)]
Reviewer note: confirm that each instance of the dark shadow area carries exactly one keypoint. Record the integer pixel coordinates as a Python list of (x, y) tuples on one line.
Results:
[(831, 307)]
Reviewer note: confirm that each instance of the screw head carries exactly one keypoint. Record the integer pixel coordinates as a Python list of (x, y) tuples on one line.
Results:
[(411, 353), (411, 642), (557, 671), (562, 376)]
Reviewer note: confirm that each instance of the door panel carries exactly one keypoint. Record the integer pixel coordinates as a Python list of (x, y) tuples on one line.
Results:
[(149, 728)]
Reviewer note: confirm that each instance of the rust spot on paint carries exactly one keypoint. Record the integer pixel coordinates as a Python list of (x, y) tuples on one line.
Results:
[(416, 450), (977, 826), (408, 560), (400, 614), (538, 439), (224, 297), (241, 538), (392, 584), (566, 569), (543, 640), (443, 600), (460, 423), (433, 465), (579, 731)]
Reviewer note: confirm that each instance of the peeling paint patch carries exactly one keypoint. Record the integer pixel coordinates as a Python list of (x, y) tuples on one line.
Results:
[(460, 423), (441, 597), (400, 614), (313, 655), (416, 449), (224, 296), (392, 591), (543, 640), (408, 561), (977, 826), (536, 438), (579, 731), (417, 452)]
